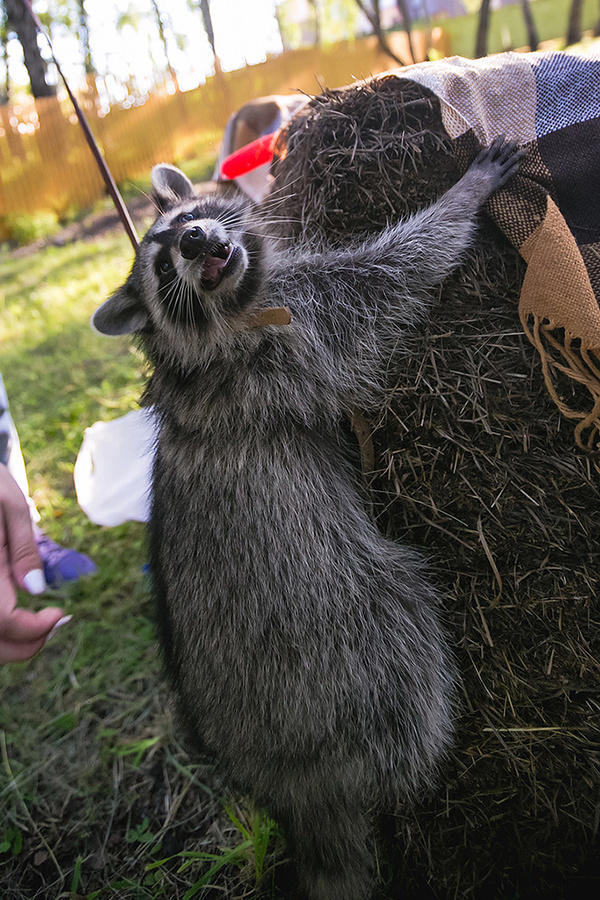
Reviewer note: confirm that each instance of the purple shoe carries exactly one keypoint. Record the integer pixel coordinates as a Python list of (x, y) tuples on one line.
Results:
[(60, 563)]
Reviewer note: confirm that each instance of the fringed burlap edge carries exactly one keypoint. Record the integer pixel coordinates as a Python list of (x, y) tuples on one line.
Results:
[(561, 354), (560, 316)]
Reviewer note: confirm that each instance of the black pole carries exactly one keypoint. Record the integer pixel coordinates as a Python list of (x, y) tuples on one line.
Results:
[(112, 188)]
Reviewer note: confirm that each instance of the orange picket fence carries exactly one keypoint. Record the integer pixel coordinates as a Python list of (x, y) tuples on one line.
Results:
[(46, 165)]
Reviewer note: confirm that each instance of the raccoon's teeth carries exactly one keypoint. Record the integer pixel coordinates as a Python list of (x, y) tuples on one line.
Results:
[(222, 251), (215, 264)]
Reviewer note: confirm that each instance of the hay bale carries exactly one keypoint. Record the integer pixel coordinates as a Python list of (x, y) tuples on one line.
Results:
[(475, 466)]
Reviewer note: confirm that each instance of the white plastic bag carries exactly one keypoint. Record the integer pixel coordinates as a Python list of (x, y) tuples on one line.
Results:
[(113, 469)]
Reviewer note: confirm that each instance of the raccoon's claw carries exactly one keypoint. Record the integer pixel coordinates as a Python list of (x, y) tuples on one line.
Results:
[(498, 162)]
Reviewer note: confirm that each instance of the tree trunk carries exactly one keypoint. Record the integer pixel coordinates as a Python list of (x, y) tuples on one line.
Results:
[(372, 13), (317, 20), (483, 26), (52, 123), (574, 29), (5, 90), (84, 39), (532, 33), (285, 44), (407, 24), (163, 39), (210, 32), (91, 72), (21, 22)]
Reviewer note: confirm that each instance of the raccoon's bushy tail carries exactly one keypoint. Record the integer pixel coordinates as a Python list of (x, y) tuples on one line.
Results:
[(331, 843)]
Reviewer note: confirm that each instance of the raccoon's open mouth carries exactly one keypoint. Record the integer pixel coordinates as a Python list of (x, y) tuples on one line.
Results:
[(217, 264)]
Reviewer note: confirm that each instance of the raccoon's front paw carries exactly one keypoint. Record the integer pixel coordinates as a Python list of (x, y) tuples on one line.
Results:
[(495, 165)]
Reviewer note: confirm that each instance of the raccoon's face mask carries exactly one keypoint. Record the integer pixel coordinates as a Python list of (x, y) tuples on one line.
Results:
[(191, 268)]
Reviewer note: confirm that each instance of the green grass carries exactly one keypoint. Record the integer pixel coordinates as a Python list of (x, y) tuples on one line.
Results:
[(94, 786), (97, 797), (507, 29)]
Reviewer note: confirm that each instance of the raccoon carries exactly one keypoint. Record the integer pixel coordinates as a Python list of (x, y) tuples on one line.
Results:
[(304, 648)]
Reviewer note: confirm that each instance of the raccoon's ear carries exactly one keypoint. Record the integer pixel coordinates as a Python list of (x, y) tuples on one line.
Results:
[(171, 187), (122, 313)]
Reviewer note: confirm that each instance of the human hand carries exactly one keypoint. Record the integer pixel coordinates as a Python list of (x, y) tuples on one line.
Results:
[(22, 632)]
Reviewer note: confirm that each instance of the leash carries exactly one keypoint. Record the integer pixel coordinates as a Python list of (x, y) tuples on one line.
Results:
[(109, 181)]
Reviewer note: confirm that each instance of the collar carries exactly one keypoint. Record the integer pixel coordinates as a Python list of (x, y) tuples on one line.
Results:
[(270, 315)]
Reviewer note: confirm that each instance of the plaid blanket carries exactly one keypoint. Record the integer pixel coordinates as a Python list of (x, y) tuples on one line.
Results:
[(550, 103)]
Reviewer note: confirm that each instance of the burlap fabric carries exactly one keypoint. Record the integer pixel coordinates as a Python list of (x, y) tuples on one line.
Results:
[(472, 461), (550, 103)]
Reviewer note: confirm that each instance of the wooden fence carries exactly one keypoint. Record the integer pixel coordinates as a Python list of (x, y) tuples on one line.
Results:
[(45, 164)]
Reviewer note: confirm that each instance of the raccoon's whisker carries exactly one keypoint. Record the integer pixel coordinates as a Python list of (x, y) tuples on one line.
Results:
[(229, 223), (274, 216), (190, 304), (151, 199), (182, 302), (233, 214), (172, 297), (270, 223), (233, 218), (270, 217), (264, 233), (280, 197), (179, 303), (270, 229), (171, 289), (222, 322), (186, 304)]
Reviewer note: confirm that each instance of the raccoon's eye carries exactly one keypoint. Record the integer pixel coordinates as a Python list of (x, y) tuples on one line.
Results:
[(186, 217), (165, 266)]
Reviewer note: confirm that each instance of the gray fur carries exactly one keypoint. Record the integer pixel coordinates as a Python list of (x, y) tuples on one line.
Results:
[(304, 648)]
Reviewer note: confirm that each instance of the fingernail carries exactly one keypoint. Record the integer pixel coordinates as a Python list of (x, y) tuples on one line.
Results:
[(35, 582), (58, 625)]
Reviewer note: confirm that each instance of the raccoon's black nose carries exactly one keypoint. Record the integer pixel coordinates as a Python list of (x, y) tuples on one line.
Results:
[(192, 242)]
